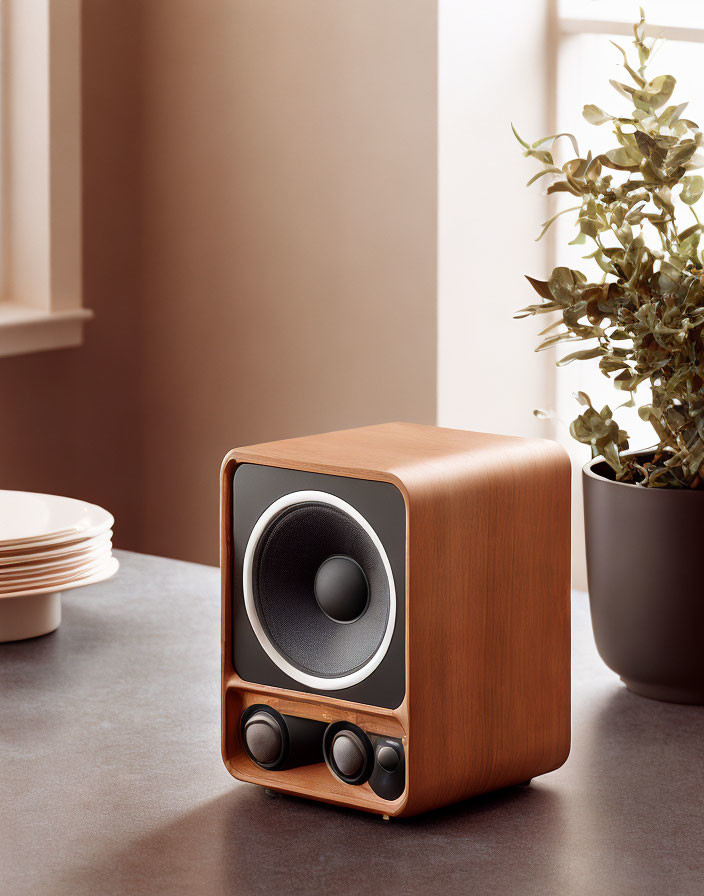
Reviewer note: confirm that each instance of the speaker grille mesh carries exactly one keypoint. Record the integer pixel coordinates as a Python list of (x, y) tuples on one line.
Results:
[(286, 559)]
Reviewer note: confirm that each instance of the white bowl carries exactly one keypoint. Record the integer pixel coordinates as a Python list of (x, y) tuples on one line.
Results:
[(55, 579), (38, 553), (54, 567), (28, 519), (107, 571)]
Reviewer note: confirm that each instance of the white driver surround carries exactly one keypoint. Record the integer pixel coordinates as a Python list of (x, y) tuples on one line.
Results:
[(314, 681)]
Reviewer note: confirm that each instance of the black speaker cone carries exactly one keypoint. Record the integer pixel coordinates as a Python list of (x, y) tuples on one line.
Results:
[(321, 591)]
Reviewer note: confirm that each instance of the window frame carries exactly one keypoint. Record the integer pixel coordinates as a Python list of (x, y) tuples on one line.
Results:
[(41, 299)]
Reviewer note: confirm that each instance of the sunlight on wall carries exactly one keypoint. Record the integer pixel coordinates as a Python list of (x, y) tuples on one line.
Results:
[(489, 377)]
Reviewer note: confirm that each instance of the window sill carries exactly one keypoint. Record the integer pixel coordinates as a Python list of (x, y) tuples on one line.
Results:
[(24, 329)]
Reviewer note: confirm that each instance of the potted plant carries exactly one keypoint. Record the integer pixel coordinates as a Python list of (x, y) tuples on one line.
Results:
[(642, 319)]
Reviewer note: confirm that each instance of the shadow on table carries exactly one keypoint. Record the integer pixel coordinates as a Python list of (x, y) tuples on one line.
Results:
[(35, 670), (248, 842), (640, 799)]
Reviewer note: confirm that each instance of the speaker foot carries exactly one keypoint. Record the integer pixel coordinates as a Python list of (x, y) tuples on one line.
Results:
[(385, 818), (269, 792)]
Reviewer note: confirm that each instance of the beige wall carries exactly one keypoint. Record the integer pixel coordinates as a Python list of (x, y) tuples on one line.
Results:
[(68, 419), (260, 226), (288, 215)]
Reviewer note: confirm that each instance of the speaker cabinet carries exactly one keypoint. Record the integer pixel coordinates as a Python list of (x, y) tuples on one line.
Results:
[(395, 615)]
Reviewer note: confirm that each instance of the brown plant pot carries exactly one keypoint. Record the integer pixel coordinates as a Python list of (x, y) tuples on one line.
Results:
[(646, 583)]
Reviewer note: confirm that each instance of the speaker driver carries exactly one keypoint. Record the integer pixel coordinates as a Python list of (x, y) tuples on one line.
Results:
[(264, 739), (348, 752), (275, 741), (318, 590)]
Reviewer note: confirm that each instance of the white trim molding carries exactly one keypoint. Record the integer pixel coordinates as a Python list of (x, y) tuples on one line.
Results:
[(41, 306), (24, 329), (573, 25)]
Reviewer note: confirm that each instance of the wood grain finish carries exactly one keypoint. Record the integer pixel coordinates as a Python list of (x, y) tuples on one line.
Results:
[(487, 597)]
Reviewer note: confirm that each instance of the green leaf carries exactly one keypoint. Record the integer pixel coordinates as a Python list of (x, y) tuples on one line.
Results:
[(689, 232), (624, 158), (646, 411), (557, 340), (650, 148), (562, 187), (640, 81), (547, 223), (564, 283), (640, 318), (611, 456), (551, 169), (657, 92), (623, 89), (540, 286), (595, 115), (682, 154), (641, 46), (585, 355), (520, 139), (593, 171), (696, 161), (672, 114), (692, 189), (555, 137)]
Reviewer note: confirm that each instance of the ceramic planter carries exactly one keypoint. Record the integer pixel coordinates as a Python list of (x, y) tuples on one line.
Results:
[(645, 550)]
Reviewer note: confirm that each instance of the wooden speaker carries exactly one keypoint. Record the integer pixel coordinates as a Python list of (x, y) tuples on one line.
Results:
[(395, 615)]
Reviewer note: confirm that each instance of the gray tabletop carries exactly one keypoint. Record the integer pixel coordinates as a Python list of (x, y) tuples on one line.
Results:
[(111, 779)]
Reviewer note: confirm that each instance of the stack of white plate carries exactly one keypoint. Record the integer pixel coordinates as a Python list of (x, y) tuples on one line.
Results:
[(48, 544)]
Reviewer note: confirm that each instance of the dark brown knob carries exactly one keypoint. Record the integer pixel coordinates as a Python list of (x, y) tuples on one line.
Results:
[(263, 737), (348, 754), (388, 758)]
